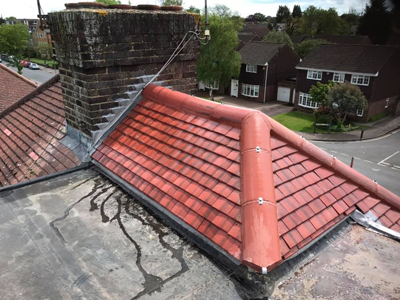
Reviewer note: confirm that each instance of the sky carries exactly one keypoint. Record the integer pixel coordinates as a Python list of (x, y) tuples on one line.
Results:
[(28, 8)]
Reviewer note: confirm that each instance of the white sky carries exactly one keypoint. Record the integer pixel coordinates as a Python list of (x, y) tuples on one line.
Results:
[(28, 8)]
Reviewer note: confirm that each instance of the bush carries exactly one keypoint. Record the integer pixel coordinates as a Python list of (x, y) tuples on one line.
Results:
[(323, 115)]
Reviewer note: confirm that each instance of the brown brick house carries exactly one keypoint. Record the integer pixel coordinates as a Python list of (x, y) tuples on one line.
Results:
[(263, 65), (41, 36), (375, 69)]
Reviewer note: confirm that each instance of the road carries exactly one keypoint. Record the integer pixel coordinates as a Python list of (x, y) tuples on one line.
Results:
[(38, 76), (378, 159)]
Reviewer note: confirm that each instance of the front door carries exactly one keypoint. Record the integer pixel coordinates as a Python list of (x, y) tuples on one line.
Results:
[(234, 87)]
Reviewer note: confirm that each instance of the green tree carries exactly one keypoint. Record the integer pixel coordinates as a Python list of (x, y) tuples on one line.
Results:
[(2, 21), (44, 51), (292, 25), (221, 11), (171, 2), (320, 21), (376, 22), (14, 41), (11, 18), (341, 99), (109, 2), (278, 37), (259, 17), (219, 61), (193, 10), (282, 13), (305, 47), (296, 13)]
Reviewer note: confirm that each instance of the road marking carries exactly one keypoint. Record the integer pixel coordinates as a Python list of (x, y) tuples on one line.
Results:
[(396, 166), (395, 169), (383, 161), (368, 161), (344, 154), (334, 151)]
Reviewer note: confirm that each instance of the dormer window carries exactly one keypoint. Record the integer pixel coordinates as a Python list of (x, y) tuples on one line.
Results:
[(251, 68)]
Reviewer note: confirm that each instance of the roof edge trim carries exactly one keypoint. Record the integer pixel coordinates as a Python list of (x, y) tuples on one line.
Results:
[(259, 212), (332, 162), (195, 105), (32, 94), (16, 74)]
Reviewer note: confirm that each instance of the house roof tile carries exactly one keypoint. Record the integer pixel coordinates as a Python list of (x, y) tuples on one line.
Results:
[(366, 59), (30, 134), (13, 87), (259, 53), (282, 193)]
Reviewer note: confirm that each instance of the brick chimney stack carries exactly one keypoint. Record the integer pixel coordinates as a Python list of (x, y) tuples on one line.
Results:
[(106, 55)]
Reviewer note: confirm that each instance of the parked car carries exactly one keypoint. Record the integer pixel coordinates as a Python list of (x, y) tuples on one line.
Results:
[(33, 66), (1, 60), (22, 63)]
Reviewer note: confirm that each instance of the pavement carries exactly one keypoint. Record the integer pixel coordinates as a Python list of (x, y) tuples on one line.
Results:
[(38, 76)]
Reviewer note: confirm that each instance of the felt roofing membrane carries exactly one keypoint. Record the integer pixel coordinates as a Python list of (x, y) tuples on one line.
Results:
[(248, 184), (30, 134), (13, 87)]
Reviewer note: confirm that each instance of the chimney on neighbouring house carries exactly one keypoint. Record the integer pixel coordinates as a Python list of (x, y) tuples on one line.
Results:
[(106, 55)]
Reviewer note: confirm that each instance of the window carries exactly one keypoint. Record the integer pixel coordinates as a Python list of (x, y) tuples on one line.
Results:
[(214, 86), (338, 77), (360, 112), (251, 68), (360, 79), (305, 101), (250, 90), (387, 103), (315, 75)]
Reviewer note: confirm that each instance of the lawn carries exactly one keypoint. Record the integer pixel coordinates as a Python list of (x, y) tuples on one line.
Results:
[(42, 61), (298, 121)]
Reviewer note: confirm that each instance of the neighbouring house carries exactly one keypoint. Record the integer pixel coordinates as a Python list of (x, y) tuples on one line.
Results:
[(30, 23), (13, 87), (246, 37), (375, 69), (41, 36), (334, 39), (263, 65), (259, 29)]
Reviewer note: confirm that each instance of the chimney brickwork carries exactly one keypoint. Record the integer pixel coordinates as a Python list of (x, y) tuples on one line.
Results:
[(105, 55)]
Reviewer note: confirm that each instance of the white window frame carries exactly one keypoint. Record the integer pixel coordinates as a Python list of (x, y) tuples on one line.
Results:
[(359, 112), (314, 75), (340, 77), (249, 90), (305, 101), (360, 79), (215, 85), (251, 68)]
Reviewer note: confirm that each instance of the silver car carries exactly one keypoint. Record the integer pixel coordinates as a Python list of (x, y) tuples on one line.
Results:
[(33, 66)]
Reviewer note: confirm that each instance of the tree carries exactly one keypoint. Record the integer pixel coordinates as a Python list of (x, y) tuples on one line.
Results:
[(320, 21), (44, 51), (376, 22), (221, 11), (305, 47), (259, 17), (292, 25), (13, 41), (278, 37), (282, 13), (2, 21), (171, 2), (219, 61), (109, 2), (341, 99), (296, 13), (193, 10)]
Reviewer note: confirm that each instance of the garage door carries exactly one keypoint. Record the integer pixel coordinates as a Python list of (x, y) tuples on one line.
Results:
[(283, 94)]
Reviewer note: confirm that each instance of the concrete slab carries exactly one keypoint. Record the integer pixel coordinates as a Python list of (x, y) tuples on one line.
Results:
[(81, 237), (358, 264)]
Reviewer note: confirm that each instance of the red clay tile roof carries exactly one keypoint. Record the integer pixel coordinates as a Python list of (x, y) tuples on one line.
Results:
[(30, 133), (13, 87), (247, 183)]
